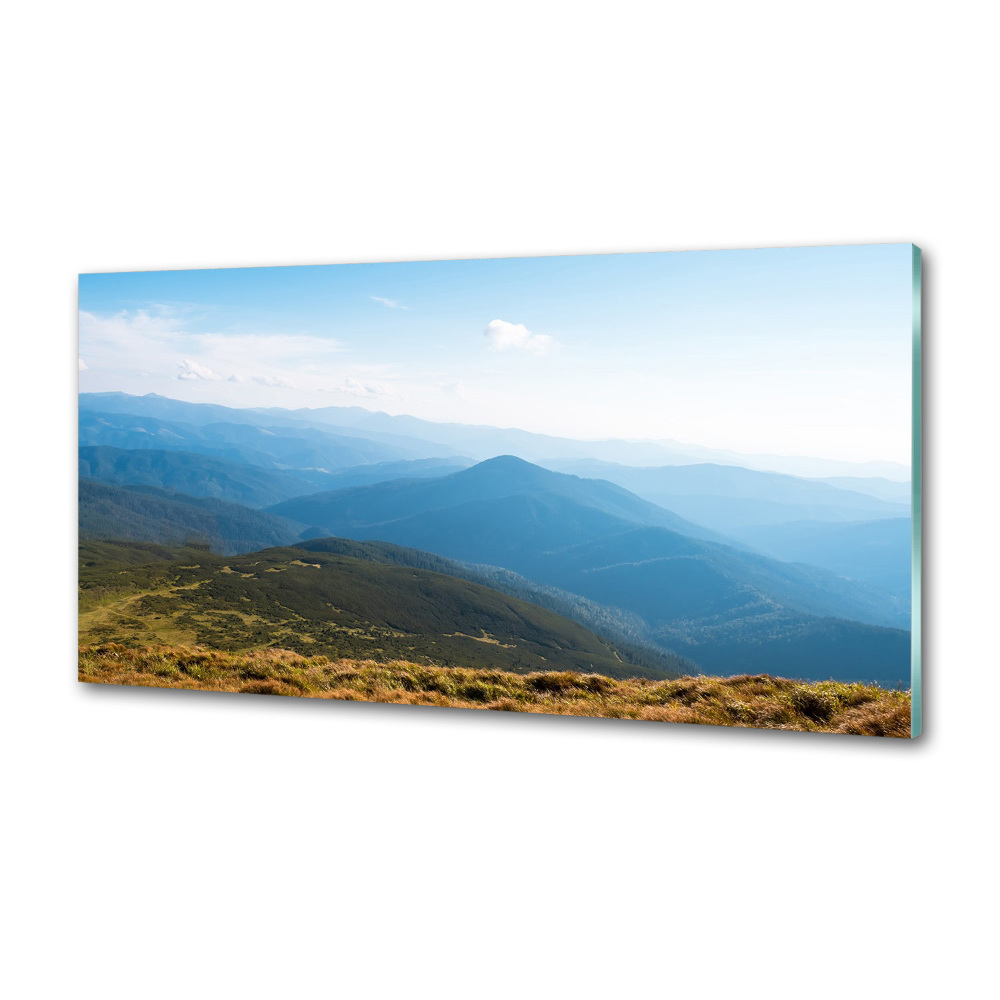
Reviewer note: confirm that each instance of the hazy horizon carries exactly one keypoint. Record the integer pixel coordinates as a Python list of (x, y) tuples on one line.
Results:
[(790, 352), (803, 466)]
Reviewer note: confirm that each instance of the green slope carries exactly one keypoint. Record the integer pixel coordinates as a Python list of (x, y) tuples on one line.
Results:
[(628, 633), (326, 603)]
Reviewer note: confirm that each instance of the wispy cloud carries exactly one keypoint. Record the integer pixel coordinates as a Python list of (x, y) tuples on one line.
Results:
[(275, 381), (456, 389), (191, 371), (268, 349), (504, 336), (122, 328), (388, 303), (159, 344), (370, 390)]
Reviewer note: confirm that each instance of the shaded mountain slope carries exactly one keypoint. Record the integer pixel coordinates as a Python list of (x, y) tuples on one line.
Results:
[(791, 644), (875, 552), (876, 486), (655, 568), (143, 513)]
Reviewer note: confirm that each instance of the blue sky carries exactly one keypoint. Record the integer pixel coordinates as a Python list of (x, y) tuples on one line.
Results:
[(785, 351)]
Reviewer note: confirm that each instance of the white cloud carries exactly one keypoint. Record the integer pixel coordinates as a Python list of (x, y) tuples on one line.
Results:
[(388, 303), (456, 389), (370, 390), (83, 365), (139, 350), (504, 336), (158, 340), (192, 371)]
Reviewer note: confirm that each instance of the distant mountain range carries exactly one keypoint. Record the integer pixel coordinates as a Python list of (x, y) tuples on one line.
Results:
[(729, 498), (406, 437), (204, 475), (737, 569), (274, 447), (844, 529), (895, 491)]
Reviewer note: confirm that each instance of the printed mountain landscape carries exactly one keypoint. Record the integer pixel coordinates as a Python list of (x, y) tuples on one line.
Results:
[(342, 552), (662, 486)]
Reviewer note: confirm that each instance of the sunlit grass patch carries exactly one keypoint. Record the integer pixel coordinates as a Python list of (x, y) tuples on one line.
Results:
[(757, 700)]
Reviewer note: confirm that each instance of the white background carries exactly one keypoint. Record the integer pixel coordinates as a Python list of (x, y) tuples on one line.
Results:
[(161, 844)]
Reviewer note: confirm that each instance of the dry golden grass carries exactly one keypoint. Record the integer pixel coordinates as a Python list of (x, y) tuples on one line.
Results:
[(758, 701)]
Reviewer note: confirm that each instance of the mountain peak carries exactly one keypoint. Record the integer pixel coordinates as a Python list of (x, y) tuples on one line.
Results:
[(507, 466), (507, 462)]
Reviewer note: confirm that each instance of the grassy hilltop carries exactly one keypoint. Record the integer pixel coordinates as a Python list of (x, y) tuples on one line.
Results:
[(747, 701)]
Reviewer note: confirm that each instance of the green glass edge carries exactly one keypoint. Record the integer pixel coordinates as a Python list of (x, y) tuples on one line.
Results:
[(916, 687)]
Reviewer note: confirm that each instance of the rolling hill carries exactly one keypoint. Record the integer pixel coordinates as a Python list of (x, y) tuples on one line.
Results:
[(325, 603), (143, 513)]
